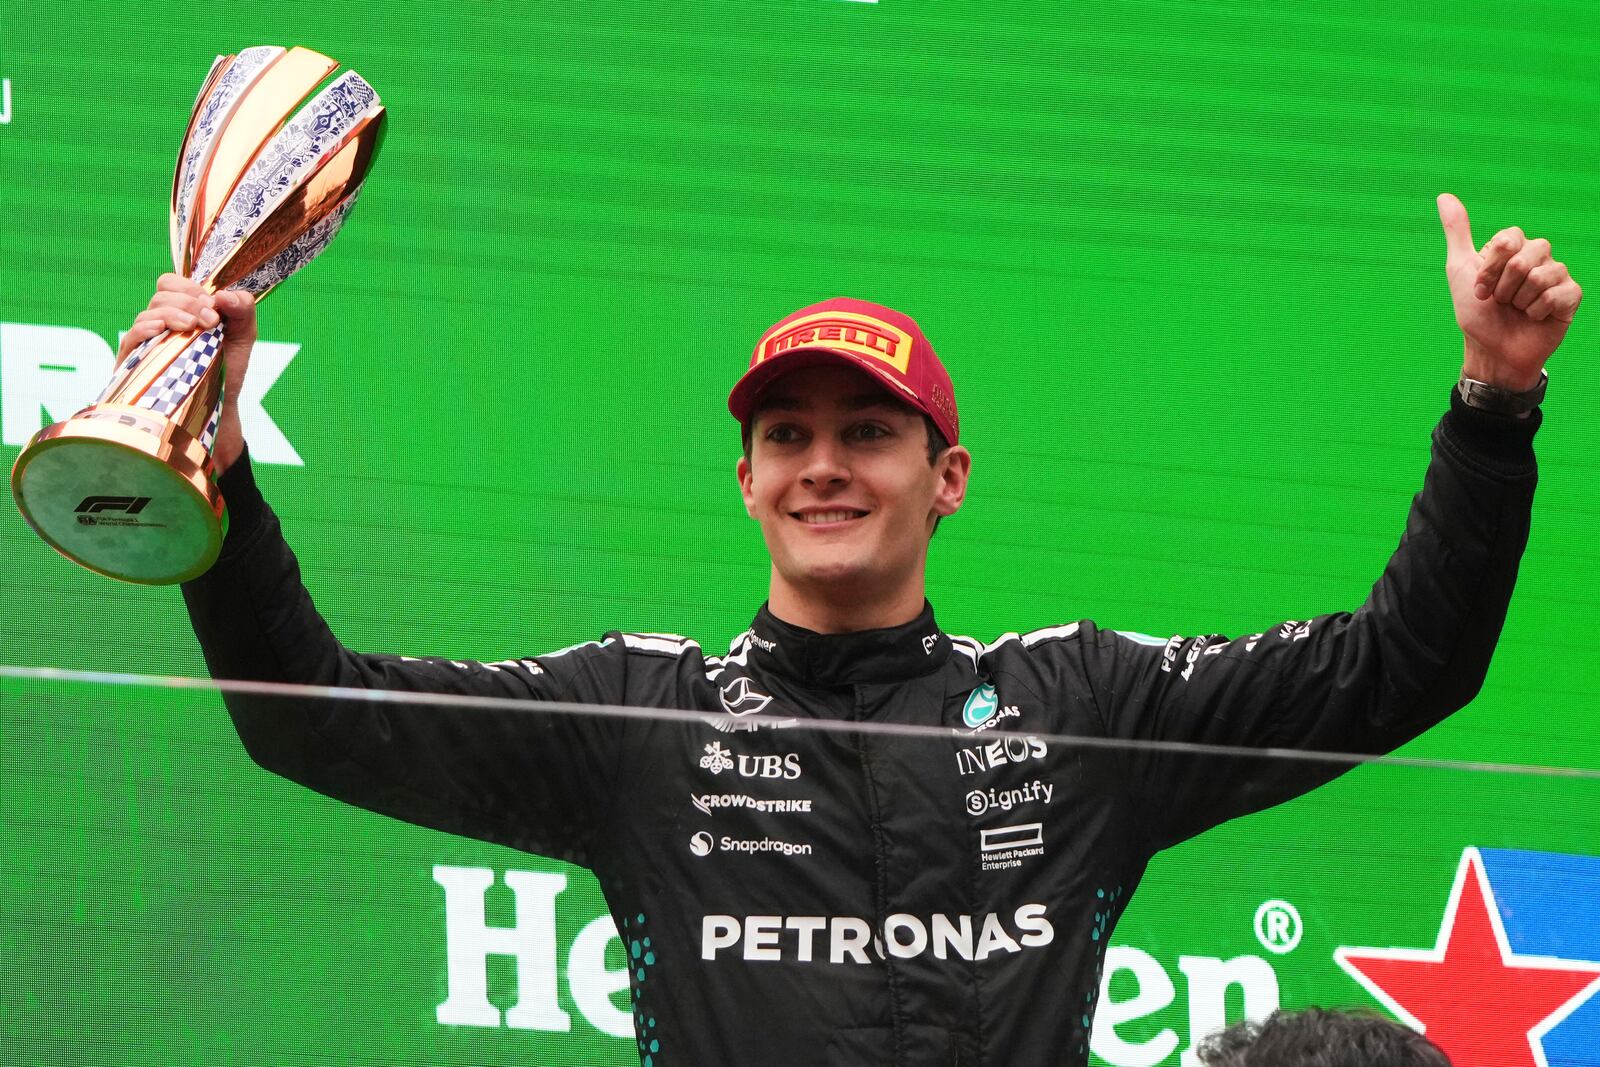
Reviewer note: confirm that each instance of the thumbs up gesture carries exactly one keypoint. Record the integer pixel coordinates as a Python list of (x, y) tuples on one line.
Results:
[(1512, 301)]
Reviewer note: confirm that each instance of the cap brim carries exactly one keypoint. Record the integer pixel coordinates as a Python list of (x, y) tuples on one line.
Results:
[(747, 392)]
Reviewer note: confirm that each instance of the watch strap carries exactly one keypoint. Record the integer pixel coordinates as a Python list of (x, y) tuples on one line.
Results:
[(1486, 397)]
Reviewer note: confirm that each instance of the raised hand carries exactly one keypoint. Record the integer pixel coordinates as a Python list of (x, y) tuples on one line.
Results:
[(180, 304), (1513, 302)]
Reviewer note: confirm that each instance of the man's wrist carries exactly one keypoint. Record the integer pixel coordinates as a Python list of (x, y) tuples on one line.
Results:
[(1486, 396), (229, 444), (1480, 366), (223, 457), (246, 508)]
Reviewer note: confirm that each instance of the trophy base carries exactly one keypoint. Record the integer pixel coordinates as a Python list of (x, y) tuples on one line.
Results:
[(123, 492)]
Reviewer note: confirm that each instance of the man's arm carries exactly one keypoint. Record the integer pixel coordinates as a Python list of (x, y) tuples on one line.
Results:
[(525, 778), (1365, 681), (1418, 649)]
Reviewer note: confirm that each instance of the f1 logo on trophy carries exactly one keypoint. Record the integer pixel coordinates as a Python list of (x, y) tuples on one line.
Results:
[(125, 487)]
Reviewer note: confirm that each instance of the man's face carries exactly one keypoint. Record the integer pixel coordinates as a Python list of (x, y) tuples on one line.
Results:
[(839, 479)]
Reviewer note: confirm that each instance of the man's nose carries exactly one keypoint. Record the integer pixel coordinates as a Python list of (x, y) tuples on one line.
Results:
[(824, 465)]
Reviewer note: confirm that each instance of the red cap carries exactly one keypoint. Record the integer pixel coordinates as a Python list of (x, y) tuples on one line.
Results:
[(879, 340)]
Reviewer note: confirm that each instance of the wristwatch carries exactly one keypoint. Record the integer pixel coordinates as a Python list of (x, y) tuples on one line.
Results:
[(1486, 397)]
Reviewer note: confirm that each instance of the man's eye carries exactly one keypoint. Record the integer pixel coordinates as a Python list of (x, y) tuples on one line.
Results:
[(782, 435), (870, 431)]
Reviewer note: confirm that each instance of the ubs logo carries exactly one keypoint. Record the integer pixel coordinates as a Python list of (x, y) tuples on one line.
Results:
[(718, 759), (786, 766)]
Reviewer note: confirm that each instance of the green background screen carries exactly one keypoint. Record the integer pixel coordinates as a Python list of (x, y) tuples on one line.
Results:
[(1183, 263)]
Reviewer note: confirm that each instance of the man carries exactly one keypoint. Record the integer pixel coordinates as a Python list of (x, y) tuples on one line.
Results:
[(1320, 1038), (801, 896)]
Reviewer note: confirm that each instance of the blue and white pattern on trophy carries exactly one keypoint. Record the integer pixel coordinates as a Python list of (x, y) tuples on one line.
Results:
[(208, 436), (178, 380), (305, 248), (124, 368), (240, 74), (316, 132)]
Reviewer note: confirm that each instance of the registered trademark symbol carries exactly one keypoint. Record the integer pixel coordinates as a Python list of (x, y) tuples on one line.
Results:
[(1278, 926)]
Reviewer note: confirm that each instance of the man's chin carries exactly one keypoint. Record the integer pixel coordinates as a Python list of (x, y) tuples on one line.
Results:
[(846, 572)]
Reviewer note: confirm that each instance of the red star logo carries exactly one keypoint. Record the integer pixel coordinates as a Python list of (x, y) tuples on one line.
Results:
[(1483, 1004)]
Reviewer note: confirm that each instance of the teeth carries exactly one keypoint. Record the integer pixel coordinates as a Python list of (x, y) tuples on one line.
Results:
[(817, 517)]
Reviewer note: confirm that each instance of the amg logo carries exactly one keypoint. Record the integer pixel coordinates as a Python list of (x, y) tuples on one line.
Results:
[(130, 505)]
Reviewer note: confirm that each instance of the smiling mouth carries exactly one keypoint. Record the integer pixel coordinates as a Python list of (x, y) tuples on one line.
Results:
[(820, 518)]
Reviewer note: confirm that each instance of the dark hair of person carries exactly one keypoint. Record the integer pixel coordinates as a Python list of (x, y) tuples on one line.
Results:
[(1317, 1037)]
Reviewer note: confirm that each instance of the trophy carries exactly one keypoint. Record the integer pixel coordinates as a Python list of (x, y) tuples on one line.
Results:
[(126, 487)]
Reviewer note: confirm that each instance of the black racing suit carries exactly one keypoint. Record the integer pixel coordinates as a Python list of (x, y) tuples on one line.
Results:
[(817, 897)]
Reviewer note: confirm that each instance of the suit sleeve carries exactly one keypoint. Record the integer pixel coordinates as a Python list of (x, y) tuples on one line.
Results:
[(1364, 682), (523, 777)]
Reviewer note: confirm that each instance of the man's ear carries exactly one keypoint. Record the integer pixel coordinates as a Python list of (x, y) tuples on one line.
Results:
[(952, 470), (745, 476)]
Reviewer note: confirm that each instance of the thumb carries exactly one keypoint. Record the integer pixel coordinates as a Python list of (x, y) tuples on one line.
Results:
[(238, 308), (1457, 228)]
